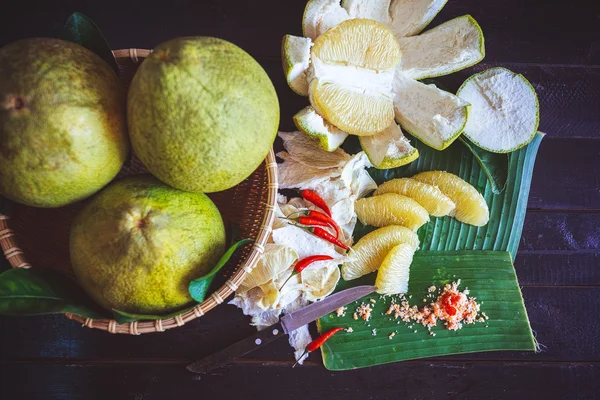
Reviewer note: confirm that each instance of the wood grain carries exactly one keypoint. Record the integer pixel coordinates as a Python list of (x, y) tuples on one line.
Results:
[(554, 44), (533, 31), (267, 380), (558, 315)]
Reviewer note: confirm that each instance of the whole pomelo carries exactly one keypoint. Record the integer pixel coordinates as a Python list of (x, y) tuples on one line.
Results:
[(202, 114), (63, 134), (137, 245)]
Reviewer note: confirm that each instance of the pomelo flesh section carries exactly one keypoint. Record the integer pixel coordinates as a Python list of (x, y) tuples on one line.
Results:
[(430, 197), (471, 207), (394, 272), (391, 209), (351, 76), (361, 43), (504, 113), (447, 48), (370, 251), (434, 116)]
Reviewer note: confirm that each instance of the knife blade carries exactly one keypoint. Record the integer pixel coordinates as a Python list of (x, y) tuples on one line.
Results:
[(287, 324)]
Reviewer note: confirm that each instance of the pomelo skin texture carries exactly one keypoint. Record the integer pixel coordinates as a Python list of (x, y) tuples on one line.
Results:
[(63, 134), (202, 114), (137, 245)]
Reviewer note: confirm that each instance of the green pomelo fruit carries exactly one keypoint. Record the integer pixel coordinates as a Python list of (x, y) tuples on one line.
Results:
[(137, 245), (202, 114), (63, 134)]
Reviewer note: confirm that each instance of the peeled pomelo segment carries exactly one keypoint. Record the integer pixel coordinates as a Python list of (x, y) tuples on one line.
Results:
[(327, 136), (361, 43), (370, 251), (388, 148), (391, 209), (447, 48), (430, 197), (295, 57), (504, 113), (377, 10), (394, 271), (471, 207), (355, 112), (321, 15), (409, 17), (432, 115)]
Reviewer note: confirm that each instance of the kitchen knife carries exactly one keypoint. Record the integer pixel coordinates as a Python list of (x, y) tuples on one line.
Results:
[(287, 324)]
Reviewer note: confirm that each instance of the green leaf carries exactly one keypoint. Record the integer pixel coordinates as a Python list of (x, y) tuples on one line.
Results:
[(490, 277), (43, 291), (507, 209), (199, 287), (494, 165), (83, 31)]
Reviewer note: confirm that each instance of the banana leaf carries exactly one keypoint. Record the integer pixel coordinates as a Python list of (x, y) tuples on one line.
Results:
[(507, 209), (450, 250), (490, 277)]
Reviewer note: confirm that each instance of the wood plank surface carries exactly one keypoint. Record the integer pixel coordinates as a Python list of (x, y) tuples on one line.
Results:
[(558, 315), (533, 31), (264, 379), (554, 44)]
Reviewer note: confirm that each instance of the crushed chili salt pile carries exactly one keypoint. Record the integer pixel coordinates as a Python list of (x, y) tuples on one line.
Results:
[(363, 311), (452, 306)]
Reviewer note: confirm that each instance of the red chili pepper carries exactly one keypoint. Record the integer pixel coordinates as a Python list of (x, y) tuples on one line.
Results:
[(318, 342), (323, 234), (305, 262), (325, 218), (316, 200), (319, 216), (312, 222)]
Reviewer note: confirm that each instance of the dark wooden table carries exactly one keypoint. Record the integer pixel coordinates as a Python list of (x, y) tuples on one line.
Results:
[(555, 44)]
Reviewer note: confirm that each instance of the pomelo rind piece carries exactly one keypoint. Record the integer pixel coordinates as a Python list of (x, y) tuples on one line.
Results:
[(327, 136), (388, 148), (295, 57), (434, 116), (505, 111), (417, 15), (321, 15), (436, 53), (377, 10)]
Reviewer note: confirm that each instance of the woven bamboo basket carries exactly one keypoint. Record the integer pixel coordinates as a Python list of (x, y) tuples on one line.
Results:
[(39, 237)]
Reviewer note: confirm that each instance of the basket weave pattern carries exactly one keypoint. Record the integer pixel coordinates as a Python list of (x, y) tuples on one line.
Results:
[(43, 234)]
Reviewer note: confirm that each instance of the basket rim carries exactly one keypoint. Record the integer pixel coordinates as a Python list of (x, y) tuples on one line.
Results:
[(15, 256)]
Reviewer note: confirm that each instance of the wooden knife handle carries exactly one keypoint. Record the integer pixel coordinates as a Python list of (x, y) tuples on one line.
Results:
[(244, 346)]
